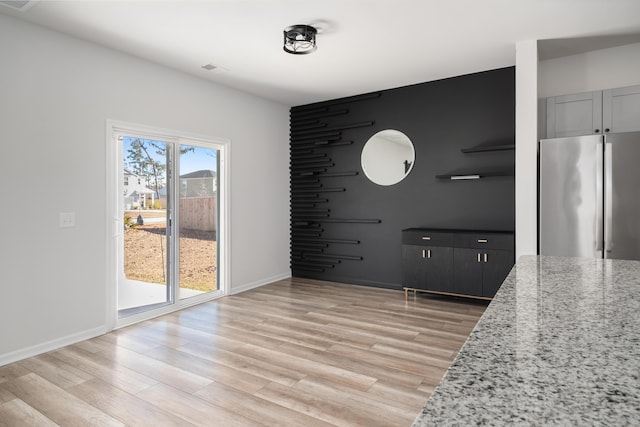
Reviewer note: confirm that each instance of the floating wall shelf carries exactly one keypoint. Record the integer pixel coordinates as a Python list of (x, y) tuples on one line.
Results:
[(475, 174), (464, 176), (485, 148)]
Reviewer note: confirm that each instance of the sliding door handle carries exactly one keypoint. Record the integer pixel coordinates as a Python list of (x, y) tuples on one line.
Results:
[(118, 227)]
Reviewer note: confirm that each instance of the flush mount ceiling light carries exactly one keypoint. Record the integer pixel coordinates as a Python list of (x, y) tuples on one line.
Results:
[(300, 39)]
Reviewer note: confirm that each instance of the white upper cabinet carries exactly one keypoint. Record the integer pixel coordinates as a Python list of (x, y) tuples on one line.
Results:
[(612, 110), (573, 115), (621, 109)]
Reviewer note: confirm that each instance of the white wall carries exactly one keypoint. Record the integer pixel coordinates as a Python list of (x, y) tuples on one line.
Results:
[(526, 147), (56, 93), (596, 70)]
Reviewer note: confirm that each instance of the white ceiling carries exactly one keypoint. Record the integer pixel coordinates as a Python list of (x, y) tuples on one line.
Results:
[(363, 45)]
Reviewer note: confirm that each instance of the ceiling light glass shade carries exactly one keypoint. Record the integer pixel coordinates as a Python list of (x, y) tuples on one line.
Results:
[(300, 39)]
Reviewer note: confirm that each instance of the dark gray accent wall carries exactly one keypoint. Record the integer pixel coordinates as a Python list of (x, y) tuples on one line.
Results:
[(346, 228)]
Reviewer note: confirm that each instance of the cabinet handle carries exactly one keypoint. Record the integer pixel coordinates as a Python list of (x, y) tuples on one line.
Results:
[(485, 257), (428, 253), (597, 130), (424, 253), (482, 240), (607, 130), (478, 256), (426, 238)]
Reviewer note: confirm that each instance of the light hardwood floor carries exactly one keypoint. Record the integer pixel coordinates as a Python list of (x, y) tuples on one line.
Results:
[(296, 352)]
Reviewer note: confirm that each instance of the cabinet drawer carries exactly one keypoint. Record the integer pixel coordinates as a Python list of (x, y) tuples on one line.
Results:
[(426, 237), (485, 241)]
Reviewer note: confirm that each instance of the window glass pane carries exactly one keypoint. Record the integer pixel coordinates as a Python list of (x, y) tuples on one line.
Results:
[(145, 226), (197, 230)]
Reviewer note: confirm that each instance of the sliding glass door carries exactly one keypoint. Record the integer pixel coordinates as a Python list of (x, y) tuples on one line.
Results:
[(168, 200)]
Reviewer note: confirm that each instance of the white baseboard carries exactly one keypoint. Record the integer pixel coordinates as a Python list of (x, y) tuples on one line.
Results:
[(248, 286), (55, 344)]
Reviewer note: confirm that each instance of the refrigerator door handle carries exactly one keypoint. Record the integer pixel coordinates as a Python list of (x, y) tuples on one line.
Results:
[(608, 198), (599, 222)]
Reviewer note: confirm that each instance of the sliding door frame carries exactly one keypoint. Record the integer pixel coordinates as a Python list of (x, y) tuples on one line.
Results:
[(114, 222)]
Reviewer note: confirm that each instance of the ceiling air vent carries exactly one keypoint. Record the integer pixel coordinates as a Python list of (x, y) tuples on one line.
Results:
[(20, 5), (216, 69)]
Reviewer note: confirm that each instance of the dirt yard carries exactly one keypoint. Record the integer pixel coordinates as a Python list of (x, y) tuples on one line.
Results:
[(145, 256)]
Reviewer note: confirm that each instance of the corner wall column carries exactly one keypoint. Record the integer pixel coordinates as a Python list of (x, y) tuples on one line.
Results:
[(526, 148)]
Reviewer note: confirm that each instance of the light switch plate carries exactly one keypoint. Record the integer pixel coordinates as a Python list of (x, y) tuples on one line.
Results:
[(67, 219)]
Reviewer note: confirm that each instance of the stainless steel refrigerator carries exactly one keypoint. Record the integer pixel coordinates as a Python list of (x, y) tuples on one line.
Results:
[(590, 196)]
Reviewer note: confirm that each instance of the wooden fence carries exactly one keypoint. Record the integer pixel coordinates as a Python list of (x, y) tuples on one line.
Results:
[(198, 213)]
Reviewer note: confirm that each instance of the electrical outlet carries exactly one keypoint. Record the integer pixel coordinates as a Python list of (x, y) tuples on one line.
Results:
[(67, 219)]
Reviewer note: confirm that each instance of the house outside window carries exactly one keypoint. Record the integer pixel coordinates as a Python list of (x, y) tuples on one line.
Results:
[(136, 196), (200, 183)]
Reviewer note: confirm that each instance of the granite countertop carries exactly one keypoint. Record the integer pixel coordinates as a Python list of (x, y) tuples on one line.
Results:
[(558, 345)]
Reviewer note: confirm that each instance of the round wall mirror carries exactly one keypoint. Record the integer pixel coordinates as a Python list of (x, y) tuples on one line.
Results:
[(388, 157)]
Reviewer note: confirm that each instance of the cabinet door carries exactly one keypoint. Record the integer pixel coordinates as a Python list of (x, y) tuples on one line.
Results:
[(574, 115), (425, 267), (414, 268), (439, 266), (496, 268), (467, 271), (621, 109)]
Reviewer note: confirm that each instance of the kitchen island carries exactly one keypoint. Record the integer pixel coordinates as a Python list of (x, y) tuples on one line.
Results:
[(558, 345)]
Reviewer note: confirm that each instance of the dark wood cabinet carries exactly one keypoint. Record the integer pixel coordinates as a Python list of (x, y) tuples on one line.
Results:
[(496, 268), (480, 272), (456, 262), (467, 274), (427, 267)]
